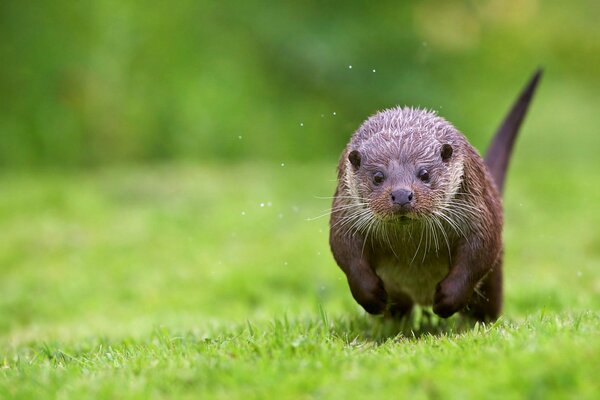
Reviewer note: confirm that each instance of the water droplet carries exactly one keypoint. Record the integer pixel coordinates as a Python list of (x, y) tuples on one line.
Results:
[(262, 204), (334, 113), (374, 71), (283, 164), (301, 123), (243, 212), (349, 66), (285, 263), (240, 137)]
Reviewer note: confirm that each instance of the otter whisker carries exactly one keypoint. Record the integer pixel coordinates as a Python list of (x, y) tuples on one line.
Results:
[(337, 197), (462, 215), (445, 236), (459, 231), (418, 246), (464, 204), (387, 238), (433, 235), (434, 231), (325, 214), (350, 222), (426, 245), (358, 222), (370, 225), (349, 217), (362, 223)]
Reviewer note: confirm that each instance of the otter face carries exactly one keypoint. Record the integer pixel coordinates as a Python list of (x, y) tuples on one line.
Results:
[(399, 185)]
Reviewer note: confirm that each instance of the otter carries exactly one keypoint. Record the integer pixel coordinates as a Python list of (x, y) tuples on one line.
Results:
[(417, 213)]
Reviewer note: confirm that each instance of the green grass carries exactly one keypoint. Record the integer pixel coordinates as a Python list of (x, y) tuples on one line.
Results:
[(148, 282)]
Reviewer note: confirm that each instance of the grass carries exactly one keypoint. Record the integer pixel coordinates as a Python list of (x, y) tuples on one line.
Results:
[(538, 358), (187, 281)]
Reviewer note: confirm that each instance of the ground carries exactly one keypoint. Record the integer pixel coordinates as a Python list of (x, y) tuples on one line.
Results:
[(213, 281)]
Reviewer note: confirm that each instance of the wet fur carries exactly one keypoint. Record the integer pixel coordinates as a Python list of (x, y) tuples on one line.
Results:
[(448, 251)]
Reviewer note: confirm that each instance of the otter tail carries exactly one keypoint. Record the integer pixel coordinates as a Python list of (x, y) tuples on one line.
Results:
[(498, 154)]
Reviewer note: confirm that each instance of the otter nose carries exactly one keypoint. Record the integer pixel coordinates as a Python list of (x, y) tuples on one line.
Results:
[(402, 197)]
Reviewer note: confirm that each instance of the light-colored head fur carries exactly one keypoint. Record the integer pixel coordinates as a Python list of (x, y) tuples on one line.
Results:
[(400, 143)]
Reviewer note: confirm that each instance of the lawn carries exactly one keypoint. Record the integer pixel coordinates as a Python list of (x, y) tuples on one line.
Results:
[(217, 282)]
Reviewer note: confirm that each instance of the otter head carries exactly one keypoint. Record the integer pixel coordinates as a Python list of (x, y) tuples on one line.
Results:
[(405, 168)]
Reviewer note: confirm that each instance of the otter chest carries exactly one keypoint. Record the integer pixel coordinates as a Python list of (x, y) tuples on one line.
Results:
[(417, 279)]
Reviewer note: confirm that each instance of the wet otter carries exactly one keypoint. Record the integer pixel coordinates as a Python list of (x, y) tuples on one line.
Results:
[(417, 213)]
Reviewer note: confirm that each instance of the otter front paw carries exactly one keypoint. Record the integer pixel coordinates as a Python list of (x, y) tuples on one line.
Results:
[(370, 295), (448, 299)]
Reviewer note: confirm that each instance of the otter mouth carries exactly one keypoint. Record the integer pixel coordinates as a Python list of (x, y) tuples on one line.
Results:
[(403, 219), (399, 219)]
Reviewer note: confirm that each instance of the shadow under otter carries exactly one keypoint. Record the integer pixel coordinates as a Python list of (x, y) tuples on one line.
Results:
[(417, 213)]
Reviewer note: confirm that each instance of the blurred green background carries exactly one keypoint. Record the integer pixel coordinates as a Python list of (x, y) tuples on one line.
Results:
[(148, 147), (99, 82), (143, 143)]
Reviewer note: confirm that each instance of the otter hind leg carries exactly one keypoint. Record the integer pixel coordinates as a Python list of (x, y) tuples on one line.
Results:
[(400, 305), (486, 303)]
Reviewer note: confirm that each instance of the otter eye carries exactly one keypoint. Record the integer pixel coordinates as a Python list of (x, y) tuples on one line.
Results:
[(424, 175), (378, 177)]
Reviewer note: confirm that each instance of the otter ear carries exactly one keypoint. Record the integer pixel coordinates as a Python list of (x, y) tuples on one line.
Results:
[(446, 152), (354, 158)]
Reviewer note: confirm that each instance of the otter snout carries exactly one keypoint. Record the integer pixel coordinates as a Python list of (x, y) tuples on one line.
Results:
[(402, 199)]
